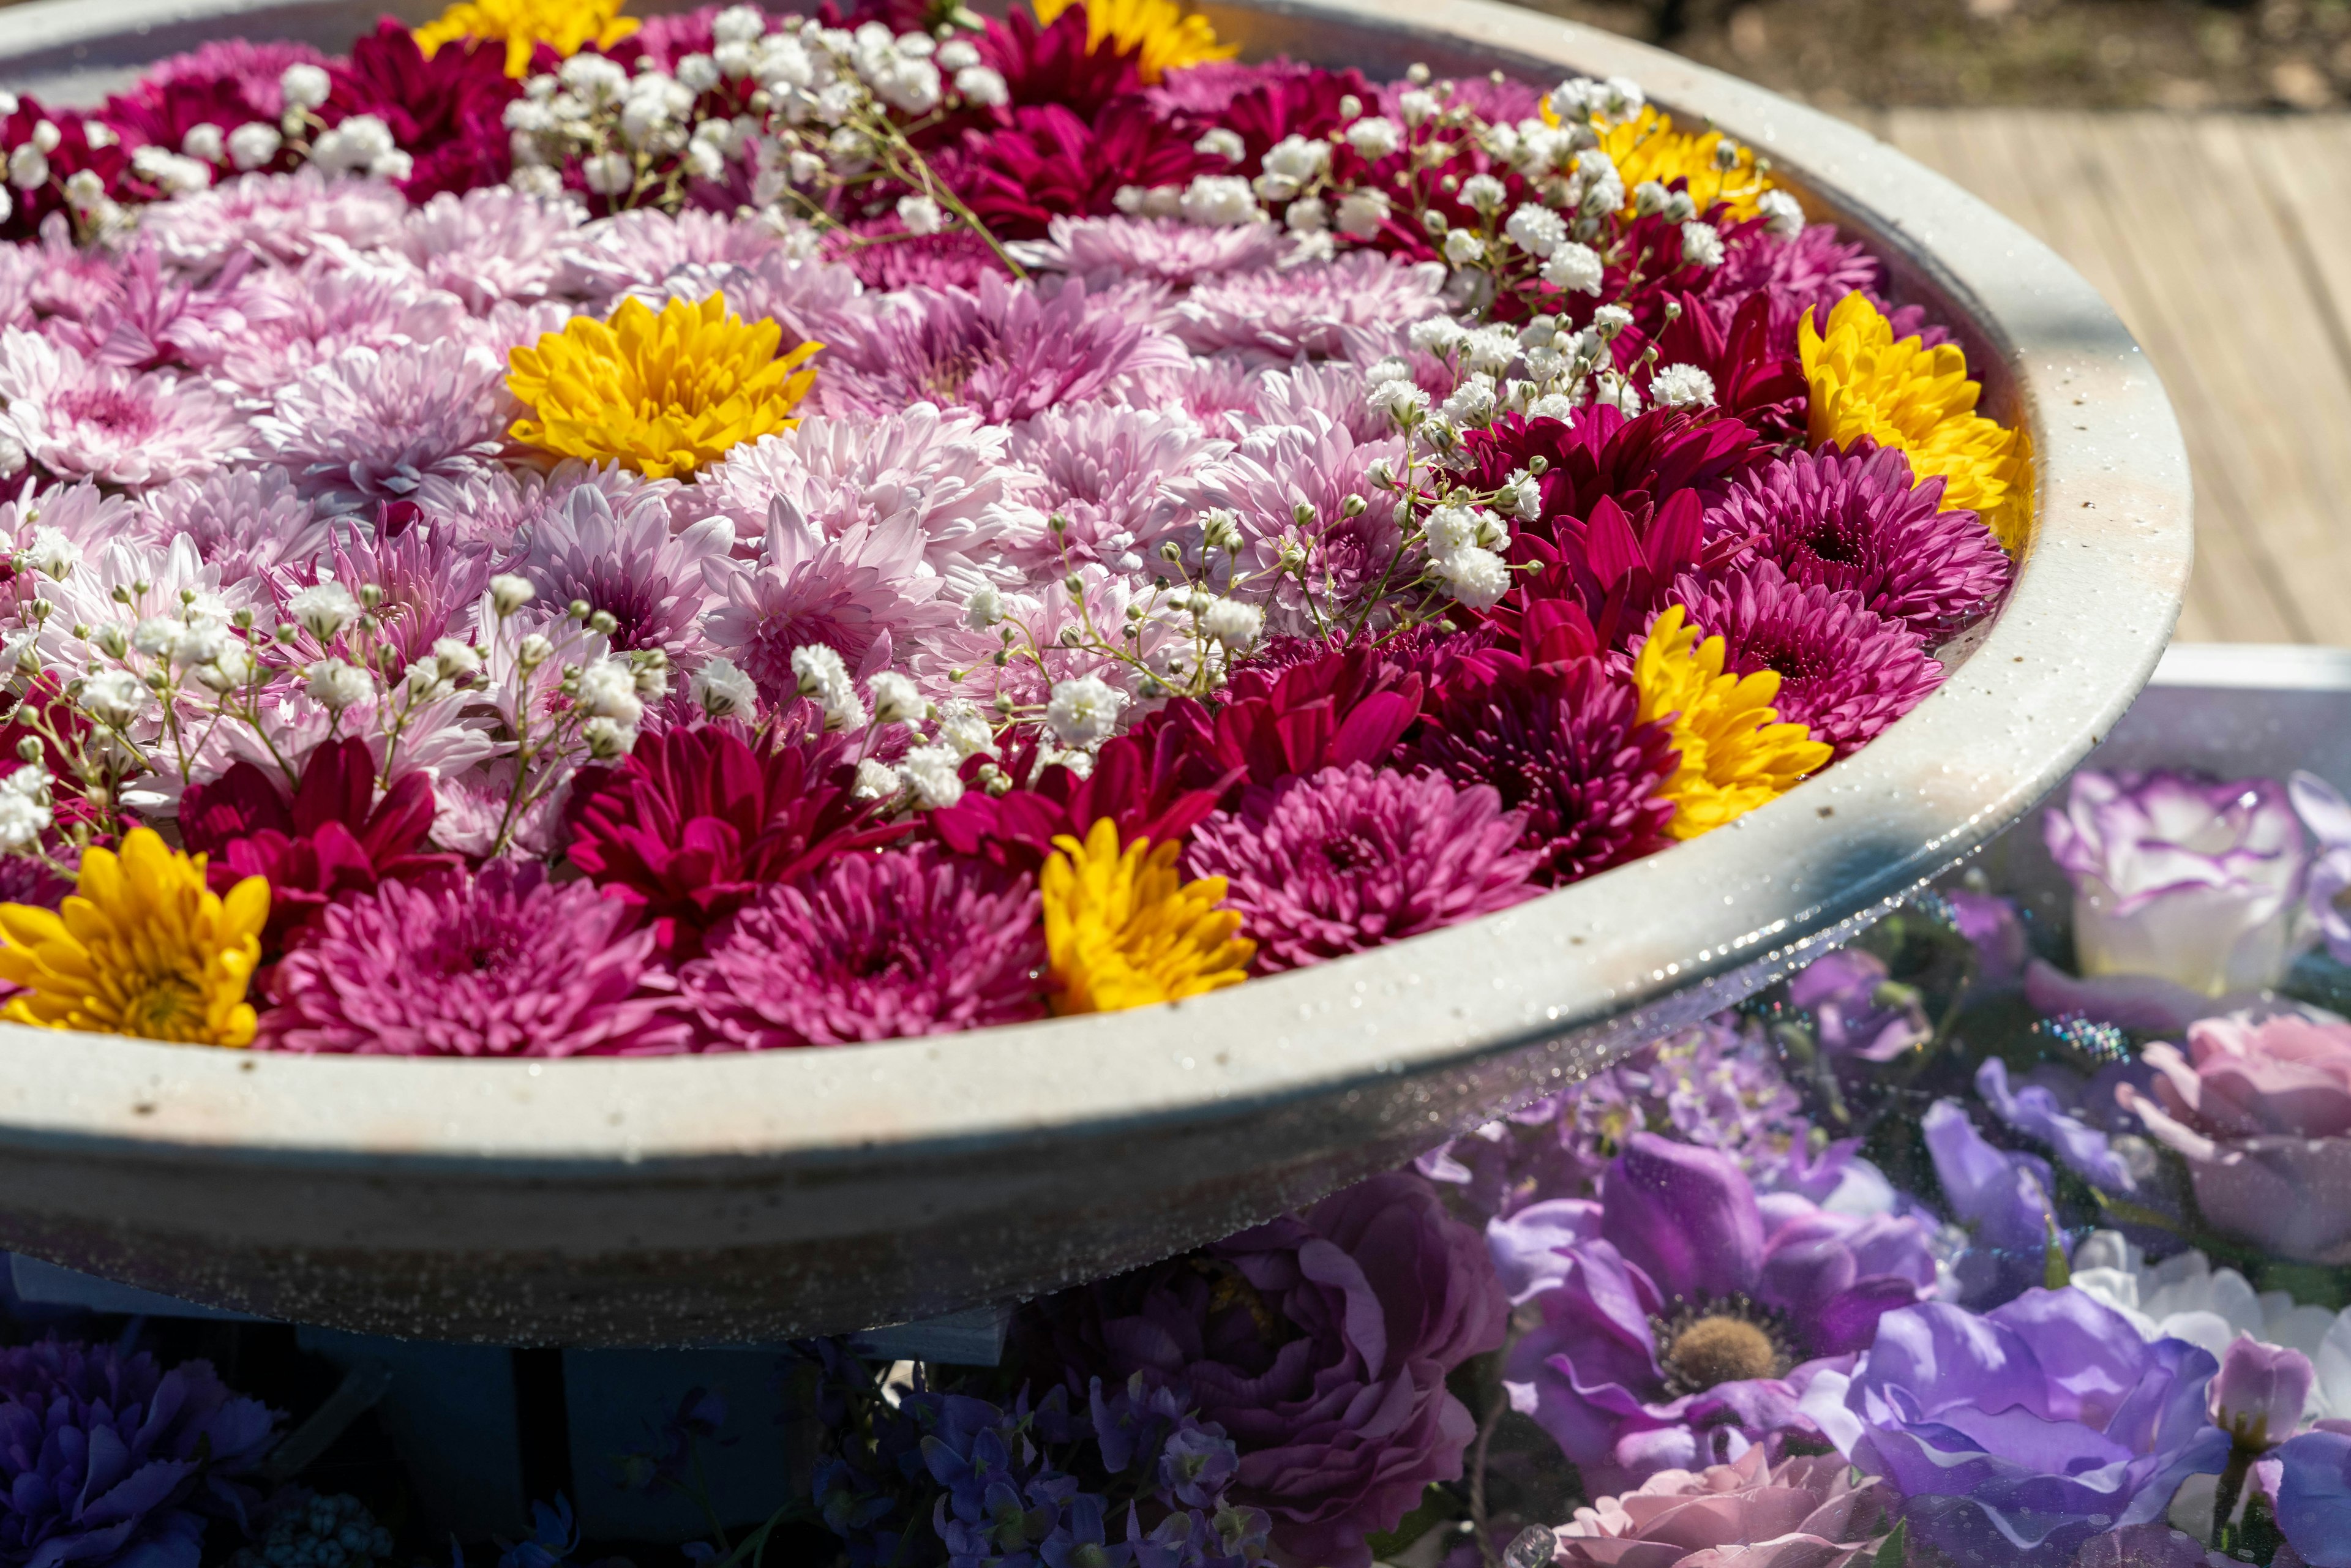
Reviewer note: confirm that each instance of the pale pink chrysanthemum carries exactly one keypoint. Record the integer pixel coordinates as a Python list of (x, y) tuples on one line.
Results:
[(602, 260), (147, 312), (1300, 309), (283, 217), (802, 296), (497, 506), (511, 324), (498, 962), (1332, 388), (79, 421), (1089, 595), (371, 425), (87, 515), (433, 582), (625, 562), (1006, 349), (297, 318), (862, 595), (19, 265), (941, 468), (469, 811), (1318, 465), (242, 519), (1219, 393), (1106, 250), (153, 580), (70, 281), (1105, 471), (491, 244)]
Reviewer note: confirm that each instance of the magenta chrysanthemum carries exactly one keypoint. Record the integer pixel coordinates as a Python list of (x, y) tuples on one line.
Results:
[(1004, 349), (1844, 673), (871, 946), (1349, 858), (245, 520), (1852, 520), (862, 595), (499, 962), (625, 562)]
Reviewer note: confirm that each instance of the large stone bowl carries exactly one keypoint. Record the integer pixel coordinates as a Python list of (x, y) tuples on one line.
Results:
[(745, 1199)]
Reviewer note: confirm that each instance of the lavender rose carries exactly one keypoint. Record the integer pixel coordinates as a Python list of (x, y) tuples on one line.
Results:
[(2262, 1113), (108, 1457), (1320, 1342), (2177, 877)]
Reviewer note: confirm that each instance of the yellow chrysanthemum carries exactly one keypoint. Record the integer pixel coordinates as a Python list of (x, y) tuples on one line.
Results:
[(141, 947), (1123, 929), (567, 26), (1648, 147), (662, 394), (1736, 755), (1905, 395), (1159, 33)]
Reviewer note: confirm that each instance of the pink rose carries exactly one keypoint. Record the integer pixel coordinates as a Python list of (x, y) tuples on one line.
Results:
[(1801, 1513), (2262, 1112)]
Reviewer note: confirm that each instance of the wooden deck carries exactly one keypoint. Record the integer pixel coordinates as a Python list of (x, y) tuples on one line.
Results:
[(2225, 243)]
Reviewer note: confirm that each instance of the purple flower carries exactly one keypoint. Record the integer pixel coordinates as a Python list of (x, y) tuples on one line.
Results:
[(626, 561), (499, 962), (371, 425), (1992, 928), (106, 1458), (2258, 1397), (1320, 1342), (1351, 858), (1109, 250), (1845, 672), (1289, 311), (2035, 1111), (2313, 1497), (1857, 1006), (871, 946), (2177, 877), (2015, 1436), (1853, 521), (861, 595), (2327, 815), (2001, 1196), (1671, 1332)]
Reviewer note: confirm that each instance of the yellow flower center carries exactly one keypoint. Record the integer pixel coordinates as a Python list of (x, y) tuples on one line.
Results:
[(142, 946), (1159, 33), (1736, 755), (1705, 1351), (567, 26), (662, 394), (1123, 929), (1905, 395)]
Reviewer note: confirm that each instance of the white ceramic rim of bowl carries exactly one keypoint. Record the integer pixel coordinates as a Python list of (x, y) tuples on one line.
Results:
[(2091, 610)]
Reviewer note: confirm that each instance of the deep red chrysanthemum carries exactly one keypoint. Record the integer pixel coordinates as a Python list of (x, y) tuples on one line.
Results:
[(332, 838), (694, 821), (1149, 783), (1351, 857), (1844, 673), (446, 111), (1337, 704), (1563, 742), (1050, 63), (871, 946), (1298, 102), (1758, 381), (1852, 520), (71, 155), (1050, 162)]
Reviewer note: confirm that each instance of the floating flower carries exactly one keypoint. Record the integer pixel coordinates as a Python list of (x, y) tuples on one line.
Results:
[(1807, 1512), (1124, 930), (907, 942), (2001, 1195), (661, 395), (567, 26), (2191, 880), (498, 962), (1857, 1007), (1736, 755), (1160, 34), (1348, 859), (142, 947), (1904, 394)]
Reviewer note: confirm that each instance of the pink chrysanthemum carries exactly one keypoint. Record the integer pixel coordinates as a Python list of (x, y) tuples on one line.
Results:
[(604, 259), (1303, 309), (283, 217), (1104, 472), (1852, 520), (1566, 745), (1349, 858), (626, 562), (871, 946), (497, 506), (84, 514), (489, 245), (944, 469), (244, 520), (432, 580), (862, 595), (1331, 388), (294, 318), (499, 962), (371, 425), (1007, 350), (144, 314), (1219, 391), (81, 421), (1106, 250), (1844, 673), (954, 257)]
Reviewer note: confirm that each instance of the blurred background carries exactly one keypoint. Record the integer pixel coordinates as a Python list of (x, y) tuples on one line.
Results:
[(2194, 161)]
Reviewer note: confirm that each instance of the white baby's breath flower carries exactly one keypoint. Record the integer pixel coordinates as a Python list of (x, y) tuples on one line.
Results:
[(897, 699), (1464, 247), (983, 84), (875, 782), (1537, 230), (1375, 137), (965, 729), (1681, 386), (335, 685), (930, 772), (921, 214), (509, 593), (1701, 245), (1476, 577), (1783, 215), (1084, 711), (23, 820), (608, 689), (1219, 200), (1575, 267), (323, 610), (608, 739), (1221, 142), (154, 636), (114, 697), (1233, 623), (1484, 192), (252, 145), (722, 691), (1361, 214), (304, 85)]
